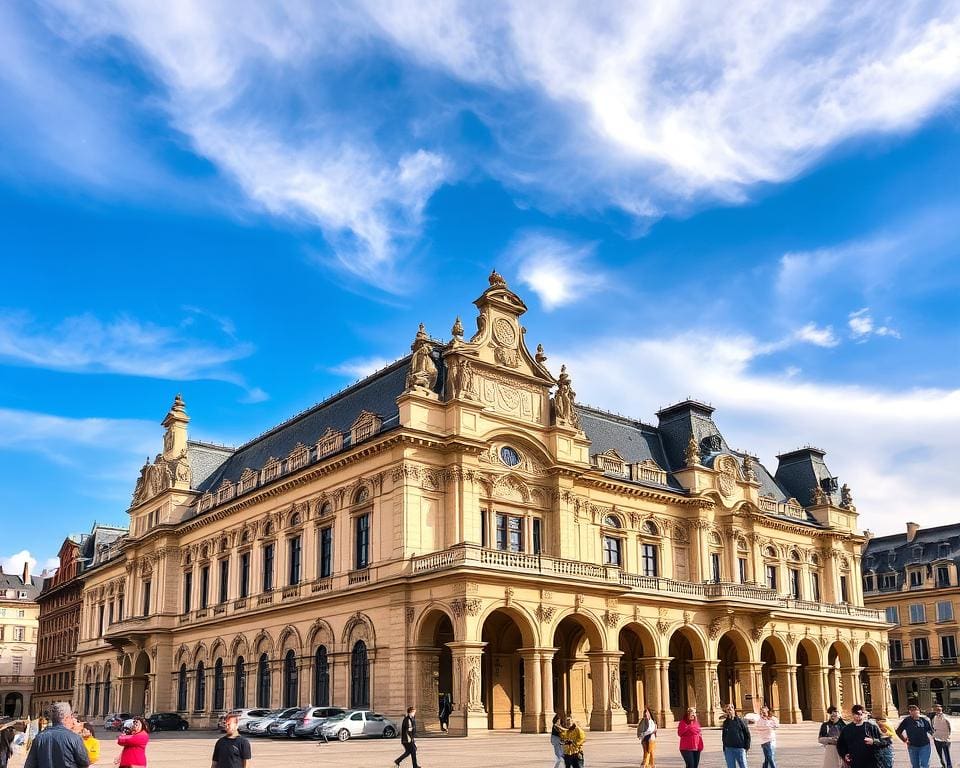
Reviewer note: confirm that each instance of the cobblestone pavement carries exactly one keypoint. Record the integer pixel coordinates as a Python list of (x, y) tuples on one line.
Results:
[(797, 748)]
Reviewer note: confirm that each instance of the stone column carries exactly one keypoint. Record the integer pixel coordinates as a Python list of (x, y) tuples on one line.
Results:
[(532, 719), (546, 682), (851, 687), (605, 674), (664, 664), (787, 704), (469, 713), (426, 662), (658, 703), (750, 675)]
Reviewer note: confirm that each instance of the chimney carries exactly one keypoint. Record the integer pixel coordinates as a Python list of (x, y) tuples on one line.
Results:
[(912, 529), (26, 571)]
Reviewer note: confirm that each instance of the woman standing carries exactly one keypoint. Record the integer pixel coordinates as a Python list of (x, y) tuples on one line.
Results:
[(829, 733), (766, 729), (647, 733), (556, 740), (573, 738), (134, 753), (691, 740), (885, 755), (91, 742)]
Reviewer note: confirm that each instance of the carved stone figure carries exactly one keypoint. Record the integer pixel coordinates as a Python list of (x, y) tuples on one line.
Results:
[(457, 330), (541, 356), (496, 280), (140, 491), (563, 400), (182, 468), (423, 371), (819, 497), (749, 473), (460, 380), (615, 702), (692, 454), (846, 498), (473, 685)]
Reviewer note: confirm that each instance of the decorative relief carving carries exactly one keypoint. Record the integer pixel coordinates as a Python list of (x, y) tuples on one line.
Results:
[(463, 607), (846, 498), (544, 613), (615, 701), (692, 454), (578, 602), (473, 685), (727, 477), (611, 619), (154, 479), (508, 594), (409, 614), (460, 380), (662, 624), (749, 472), (716, 627), (563, 401)]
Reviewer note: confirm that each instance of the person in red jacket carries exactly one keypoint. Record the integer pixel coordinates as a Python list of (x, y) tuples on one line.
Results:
[(691, 741), (134, 743)]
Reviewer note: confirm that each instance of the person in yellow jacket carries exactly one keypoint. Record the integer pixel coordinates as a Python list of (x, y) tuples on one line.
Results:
[(572, 741), (91, 742)]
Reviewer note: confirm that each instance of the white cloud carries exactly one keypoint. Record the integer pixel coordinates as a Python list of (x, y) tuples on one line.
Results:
[(13, 564), (885, 443), (360, 367), (862, 326), (557, 270), (820, 337)]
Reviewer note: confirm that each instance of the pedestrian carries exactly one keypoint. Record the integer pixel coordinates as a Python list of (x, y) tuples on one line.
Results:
[(134, 743), (556, 740), (90, 741), (829, 733), (647, 733), (231, 750), (444, 712), (691, 738), (941, 736), (885, 755), (735, 736), (766, 729), (573, 738), (6, 746), (408, 737), (860, 741), (915, 731), (57, 746)]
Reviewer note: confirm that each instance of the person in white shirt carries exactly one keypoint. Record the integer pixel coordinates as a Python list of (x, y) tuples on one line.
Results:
[(647, 733), (941, 735), (765, 727)]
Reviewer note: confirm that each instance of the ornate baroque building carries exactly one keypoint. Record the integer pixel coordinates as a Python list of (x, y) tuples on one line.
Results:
[(456, 523), (18, 640), (912, 577)]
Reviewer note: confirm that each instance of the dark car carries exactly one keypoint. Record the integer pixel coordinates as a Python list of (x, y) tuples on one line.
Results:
[(167, 721)]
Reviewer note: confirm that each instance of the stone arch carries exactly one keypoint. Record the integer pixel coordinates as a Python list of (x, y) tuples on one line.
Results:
[(807, 657), (740, 642), (871, 654), (263, 643), (183, 653), (504, 630), (289, 639), (126, 664), (199, 653), (358, 627), (774, 678), (522, 617), (843, 652), (685, 646), (872, 688), (433, 658), (425, 627), (218, 649), (638, 643), (239, 646), (734, 650), (592, 626), (521, 441), (320, 633)]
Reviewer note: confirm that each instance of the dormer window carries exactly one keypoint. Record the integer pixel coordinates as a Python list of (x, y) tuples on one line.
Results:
[(944, 549), (916, 578), (917, 552)]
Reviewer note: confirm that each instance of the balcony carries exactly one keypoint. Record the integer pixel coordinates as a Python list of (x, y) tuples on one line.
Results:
[(136, 628), (17, 680)]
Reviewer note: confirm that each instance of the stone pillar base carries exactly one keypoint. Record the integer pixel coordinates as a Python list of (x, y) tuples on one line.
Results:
[(475, 722)]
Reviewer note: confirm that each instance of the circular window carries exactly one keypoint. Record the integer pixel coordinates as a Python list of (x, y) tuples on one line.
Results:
[(509, 456)]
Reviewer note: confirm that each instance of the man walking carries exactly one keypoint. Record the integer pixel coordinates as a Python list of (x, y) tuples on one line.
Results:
[(58, 746), (941, 736), (860, 741), (915, 731), (231, 750), (408, 737), (735, 737)]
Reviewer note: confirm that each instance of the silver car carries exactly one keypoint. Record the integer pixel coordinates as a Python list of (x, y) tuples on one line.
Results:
[(311, 724), (259, 727), (243, 717), (359, 722)]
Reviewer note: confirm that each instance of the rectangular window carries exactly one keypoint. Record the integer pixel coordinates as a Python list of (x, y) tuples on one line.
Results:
[(509, 533), (120, 608), (649, 560), (244, 574), (326, 552), (868, 583), (110, 614), (715, 567), (948, 647), (101, 619), (888, 582), (742, 569), (918, 613), (224, 580), (537, 543), (146, 598), (795, 583), (921, 651), (484, 540), (611, 550), (815, 584), (294, 547), (17, 663), (896, 651), (916, 579), (19, 634), (944, 610), (205, 586), (893, 614), (363, 542), (187, 590), (943, 576), (267, 567), (771, 577), (844, 594)]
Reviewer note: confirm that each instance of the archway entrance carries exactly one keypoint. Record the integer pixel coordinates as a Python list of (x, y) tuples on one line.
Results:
[(13, 705), (636, 644), (808, 679), (574, 639), (732, 653), (501, 671), (775, 677), (684, 648), (139, 684), (839, 694), (434, 664)]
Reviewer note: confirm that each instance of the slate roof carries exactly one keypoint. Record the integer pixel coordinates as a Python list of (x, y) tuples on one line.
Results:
[(894, 552), (32, 587), (93, 542)]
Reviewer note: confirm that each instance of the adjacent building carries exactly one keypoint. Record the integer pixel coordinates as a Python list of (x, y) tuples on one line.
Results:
[(19, 613), (457, 523), (913, 578)]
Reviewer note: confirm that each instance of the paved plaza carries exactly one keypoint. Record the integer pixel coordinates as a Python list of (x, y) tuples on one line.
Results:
[(797, 748)]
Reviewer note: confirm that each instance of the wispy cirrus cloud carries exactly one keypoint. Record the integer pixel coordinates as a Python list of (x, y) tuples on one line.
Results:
[(862, 326), (814, 334), (559, 270)]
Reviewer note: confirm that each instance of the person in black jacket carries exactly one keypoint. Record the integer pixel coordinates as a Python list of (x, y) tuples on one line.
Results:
[(860, 741), (408, 737), (735, 736), (444, 712)]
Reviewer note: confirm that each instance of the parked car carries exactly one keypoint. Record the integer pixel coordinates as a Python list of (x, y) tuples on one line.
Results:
[(359, 722), (167, 721), (284, 726), (114, 720), (259, 726), (313, 720), (243, 717)]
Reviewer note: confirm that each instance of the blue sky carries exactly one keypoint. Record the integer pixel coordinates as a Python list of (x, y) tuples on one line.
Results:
[(257, 204)]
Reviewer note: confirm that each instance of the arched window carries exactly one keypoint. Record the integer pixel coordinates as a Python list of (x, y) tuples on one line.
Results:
[(291, 679), (182, 689), (361, 495), (359, 677), (650, 528), (200, 691), (612, 521), (96, 697), (218, 685), (263, 681), (86, 698), (321, 678), (106, 694), (240, 684)]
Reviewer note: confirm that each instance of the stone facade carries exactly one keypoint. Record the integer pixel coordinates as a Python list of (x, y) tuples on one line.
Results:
[(18, 641), (457, 524), (913, 578)]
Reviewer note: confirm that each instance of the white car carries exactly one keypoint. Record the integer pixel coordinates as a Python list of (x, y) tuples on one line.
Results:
[(243, 716), (359, 722)]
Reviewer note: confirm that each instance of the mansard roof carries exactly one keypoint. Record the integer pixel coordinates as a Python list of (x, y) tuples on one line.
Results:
[(895, 552)]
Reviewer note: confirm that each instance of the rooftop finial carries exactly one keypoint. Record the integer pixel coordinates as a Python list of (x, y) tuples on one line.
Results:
[(457, 329), (496, 279), (541, 356)]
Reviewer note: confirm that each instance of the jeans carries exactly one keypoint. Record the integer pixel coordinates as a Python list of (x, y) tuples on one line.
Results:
[(736, 757), (943, 752), (919, 756), (691, 758), (769, 750), (557, 752)]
